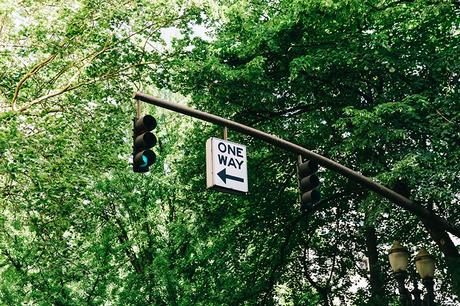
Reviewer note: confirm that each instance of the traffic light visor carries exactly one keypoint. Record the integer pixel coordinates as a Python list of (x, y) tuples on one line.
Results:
[(145, 123), (308, 168), (146, 140), (309, 182), (312, 196)]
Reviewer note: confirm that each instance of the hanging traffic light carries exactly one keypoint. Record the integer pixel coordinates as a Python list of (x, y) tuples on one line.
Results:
[(308, 182), (143, 140)]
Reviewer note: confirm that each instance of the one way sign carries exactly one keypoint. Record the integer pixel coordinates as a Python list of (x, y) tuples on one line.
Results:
[(226, 166)]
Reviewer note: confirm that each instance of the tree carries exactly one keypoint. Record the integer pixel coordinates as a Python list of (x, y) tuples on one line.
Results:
[(77, 227), (372, 85)]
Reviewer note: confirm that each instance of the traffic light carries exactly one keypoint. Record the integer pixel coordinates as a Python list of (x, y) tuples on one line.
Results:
[(143, 140), (308, 182)]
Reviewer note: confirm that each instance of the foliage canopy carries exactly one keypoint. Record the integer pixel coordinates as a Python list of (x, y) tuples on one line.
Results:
[(371, 84)]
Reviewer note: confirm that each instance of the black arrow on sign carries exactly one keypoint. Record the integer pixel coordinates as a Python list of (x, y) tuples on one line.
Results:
[(224, 176)]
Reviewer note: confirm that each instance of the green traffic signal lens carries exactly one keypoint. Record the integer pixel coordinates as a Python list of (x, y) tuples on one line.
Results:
[(144, 158), (145, 161)]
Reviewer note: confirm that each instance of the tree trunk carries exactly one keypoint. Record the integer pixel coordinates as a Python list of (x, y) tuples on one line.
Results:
[(376, 282)]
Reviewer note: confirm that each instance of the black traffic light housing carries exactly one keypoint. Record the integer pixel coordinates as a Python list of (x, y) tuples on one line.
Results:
[(308, 183), (143, 140)]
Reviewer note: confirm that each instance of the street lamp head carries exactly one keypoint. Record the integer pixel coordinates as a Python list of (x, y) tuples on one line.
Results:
[(399, 257), (424, 262)]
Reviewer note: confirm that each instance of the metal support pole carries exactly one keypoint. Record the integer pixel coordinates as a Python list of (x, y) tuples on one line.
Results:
[(387, 193), (428, 283), (299, 161), (138, 109), (416, 293), (225, 133), (404, 297)]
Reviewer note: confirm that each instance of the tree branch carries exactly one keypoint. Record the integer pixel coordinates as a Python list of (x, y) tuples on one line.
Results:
[(27, 76)]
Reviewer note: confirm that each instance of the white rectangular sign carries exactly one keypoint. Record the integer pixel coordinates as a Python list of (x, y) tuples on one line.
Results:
[(226, 166)]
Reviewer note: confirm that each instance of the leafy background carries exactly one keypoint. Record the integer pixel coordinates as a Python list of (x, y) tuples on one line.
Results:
[(373, 85)]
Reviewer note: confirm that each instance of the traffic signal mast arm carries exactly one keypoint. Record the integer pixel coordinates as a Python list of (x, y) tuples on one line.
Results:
[(387, 193)]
